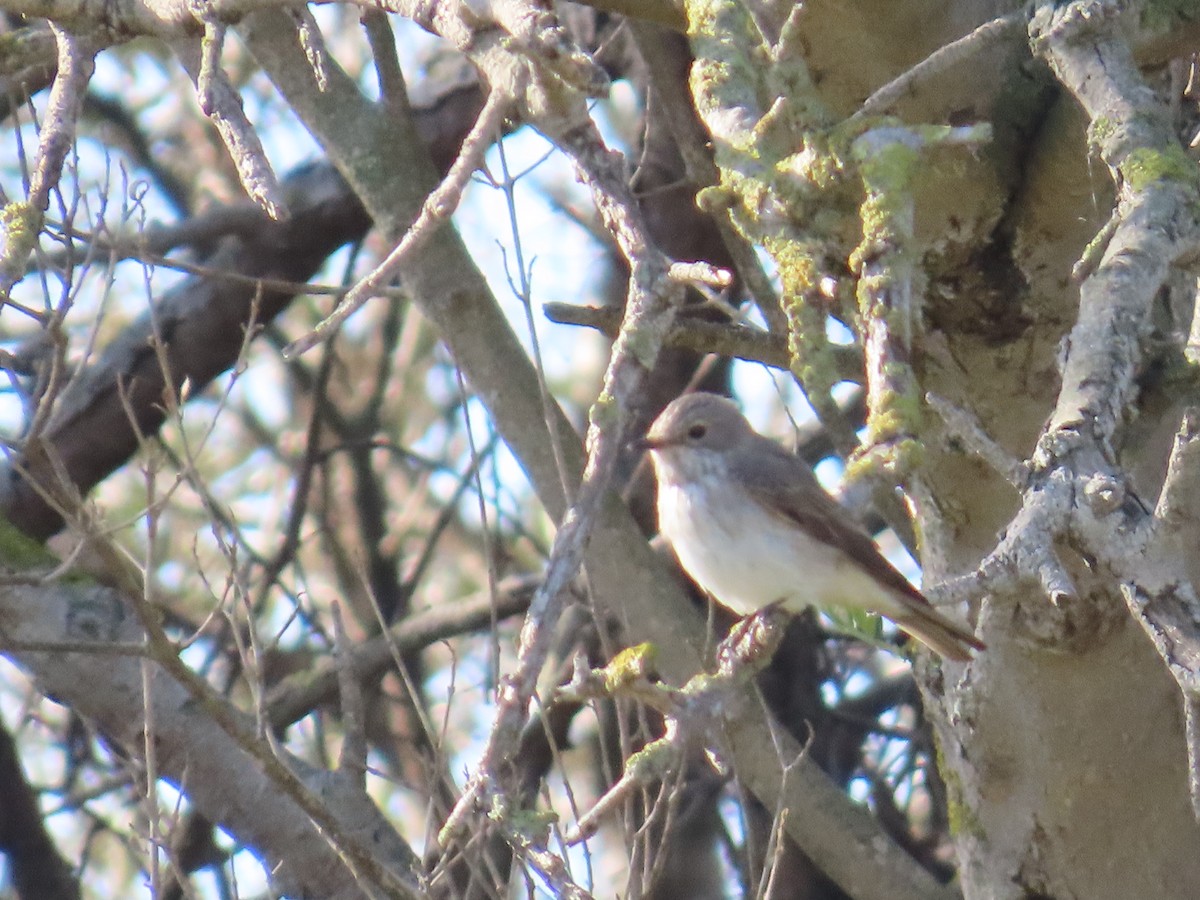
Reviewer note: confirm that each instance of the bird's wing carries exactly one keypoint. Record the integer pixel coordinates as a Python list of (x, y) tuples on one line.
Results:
[(784, 484)]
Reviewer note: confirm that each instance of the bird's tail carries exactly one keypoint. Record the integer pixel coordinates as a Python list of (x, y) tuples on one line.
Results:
[(940, 634)]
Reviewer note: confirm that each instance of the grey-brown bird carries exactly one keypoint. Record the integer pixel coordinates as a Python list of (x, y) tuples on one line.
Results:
[(751, 525)]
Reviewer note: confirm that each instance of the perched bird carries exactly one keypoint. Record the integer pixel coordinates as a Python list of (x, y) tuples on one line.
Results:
[(751, 525)]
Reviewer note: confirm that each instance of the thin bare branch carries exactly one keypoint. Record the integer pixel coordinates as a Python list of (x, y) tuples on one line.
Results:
[(940, 60), (437, 209), (223, 106)]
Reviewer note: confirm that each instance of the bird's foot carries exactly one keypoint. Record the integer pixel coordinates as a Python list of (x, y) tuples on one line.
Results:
[(756, 636)]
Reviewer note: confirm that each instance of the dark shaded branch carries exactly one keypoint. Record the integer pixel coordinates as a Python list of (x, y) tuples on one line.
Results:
[(38, 871), (202, 324), (727, 339)]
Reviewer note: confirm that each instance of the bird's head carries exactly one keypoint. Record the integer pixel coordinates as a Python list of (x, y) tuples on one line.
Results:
[(698, 421)]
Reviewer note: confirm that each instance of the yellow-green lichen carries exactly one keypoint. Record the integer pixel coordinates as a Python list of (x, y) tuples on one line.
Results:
[(630, 665), (726, 20), (751, 197), (887, 176), (1100, 130), (652, 761), (759, 109), (812, 359), (21, 553), (859, 467), (797, 263), (961, 819), (532, 824), (788, 77), (19, 223), (725, 74), (604, 411), (894, 415), (896, 459), (700, 684), (889, 165), (1096, 246), (1144, 167), (907, 455), (821, 162)]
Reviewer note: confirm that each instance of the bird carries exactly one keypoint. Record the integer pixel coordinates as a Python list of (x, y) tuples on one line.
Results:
[(751, 525)]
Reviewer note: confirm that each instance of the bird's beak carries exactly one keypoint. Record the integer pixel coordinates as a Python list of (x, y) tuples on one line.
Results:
[(642, 444)]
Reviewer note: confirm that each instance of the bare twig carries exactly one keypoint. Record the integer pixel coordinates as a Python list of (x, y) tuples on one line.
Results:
[(726, 339), (223, 106), (650, 307), (694, 713), (962, 425), (1074, 454), (437, 209), (382, 40), (1095, 250), (667, 59), (523, 289), (309, 33), (939, 61), (353, 759), (211, 45), (296, 696), (75, 67), (1191, 713), (701, 273), (20, 223), (1179, 500)]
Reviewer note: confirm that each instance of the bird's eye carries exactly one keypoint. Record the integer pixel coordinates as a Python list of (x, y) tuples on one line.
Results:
[(697, 431)]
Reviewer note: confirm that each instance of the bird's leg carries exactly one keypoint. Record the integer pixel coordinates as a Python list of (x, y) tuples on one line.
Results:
[(744, 628), (754, 639)]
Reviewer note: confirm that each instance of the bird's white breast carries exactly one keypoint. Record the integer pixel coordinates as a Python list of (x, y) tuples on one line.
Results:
[(747, 557)]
